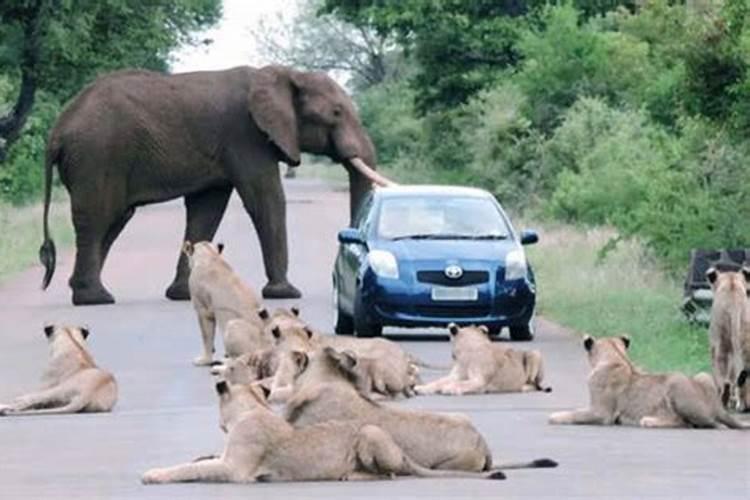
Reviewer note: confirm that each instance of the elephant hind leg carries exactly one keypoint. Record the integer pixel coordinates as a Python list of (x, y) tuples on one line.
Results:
[(97, 218), (204, 210)]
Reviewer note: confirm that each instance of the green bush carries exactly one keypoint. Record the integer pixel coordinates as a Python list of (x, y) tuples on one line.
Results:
[(22, 173)]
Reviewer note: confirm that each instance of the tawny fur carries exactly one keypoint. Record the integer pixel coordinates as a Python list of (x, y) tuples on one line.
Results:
[(261, 446), (219, 295), (72, 382), (386, 368), (325, 390), (481, 366), (621, 394), (729, 334)]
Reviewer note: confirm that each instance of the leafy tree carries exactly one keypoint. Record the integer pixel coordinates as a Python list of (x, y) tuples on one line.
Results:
[(58, 45), (313, 40)]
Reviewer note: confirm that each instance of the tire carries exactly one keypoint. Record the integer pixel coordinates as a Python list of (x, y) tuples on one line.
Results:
[(343, 323), (522, 333), (362, 327)]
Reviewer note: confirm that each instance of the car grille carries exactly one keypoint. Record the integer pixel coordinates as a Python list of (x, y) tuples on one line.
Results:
[(466, 279), (454, 311)]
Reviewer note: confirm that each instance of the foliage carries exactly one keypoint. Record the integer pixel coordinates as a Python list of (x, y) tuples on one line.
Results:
[(608, 117), (51, 48), (327, 43)]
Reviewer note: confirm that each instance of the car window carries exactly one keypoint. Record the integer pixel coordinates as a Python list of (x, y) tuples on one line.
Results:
[(440, 216)]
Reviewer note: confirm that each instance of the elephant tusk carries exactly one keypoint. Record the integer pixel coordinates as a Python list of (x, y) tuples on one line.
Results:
[(371, 174)]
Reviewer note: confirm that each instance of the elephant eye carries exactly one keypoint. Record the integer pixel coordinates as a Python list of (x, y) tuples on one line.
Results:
[(337, 111)]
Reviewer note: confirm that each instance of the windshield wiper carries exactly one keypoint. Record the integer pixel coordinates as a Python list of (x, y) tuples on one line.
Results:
[(449, 236)]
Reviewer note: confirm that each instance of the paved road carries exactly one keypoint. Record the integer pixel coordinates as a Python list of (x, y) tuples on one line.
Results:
[(167, 410)]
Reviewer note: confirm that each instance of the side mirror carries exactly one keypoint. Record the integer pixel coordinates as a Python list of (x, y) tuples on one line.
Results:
[(529, 237), (351, 235)]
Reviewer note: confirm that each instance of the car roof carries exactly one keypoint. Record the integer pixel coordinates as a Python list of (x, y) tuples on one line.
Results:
[(430, 190)]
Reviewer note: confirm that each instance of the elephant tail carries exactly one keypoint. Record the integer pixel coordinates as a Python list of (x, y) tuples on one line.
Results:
[(47, 252)]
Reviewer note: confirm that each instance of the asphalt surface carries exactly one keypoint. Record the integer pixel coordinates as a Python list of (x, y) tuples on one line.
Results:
[(167, 410)]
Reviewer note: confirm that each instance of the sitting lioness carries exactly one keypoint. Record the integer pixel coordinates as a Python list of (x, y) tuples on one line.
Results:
[(621, 394), (262, 447), (481, 366), (72, 381), (218, 296), (325, 388), (729, 333)]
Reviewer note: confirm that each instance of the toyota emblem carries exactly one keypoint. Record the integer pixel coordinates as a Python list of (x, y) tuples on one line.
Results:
[(454, 272)]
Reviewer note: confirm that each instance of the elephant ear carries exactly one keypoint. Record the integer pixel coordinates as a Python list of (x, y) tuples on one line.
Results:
[(271, 104)]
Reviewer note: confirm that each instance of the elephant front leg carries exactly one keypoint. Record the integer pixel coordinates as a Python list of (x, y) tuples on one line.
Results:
[(265, 202), (204, 211)]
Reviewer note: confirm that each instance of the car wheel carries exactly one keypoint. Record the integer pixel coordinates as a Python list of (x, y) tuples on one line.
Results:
[(522, 332), (343, 323), (362, 327)]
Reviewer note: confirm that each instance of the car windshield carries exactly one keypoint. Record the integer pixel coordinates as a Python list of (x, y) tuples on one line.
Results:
[(440, 217)]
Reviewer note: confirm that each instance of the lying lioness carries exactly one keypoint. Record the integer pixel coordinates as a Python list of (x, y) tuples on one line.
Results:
[(325, 389), (262, 447), (622, 394), (72, 381), (218, 296), (481, 366)]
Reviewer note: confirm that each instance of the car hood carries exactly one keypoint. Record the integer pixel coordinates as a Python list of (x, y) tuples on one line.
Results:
[(437, 251)]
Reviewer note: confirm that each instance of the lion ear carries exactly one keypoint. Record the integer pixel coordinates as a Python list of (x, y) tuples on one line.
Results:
[(746, 273), (453, 328), (271, 104), (295, 311), (301, 359), (588, 342), (49, 330), (309, 332), (276, 331), (187, 248), (625, 340), (484, 329), (712, 274), (222, 388), (220, 248), (84, 332), (263, 313)]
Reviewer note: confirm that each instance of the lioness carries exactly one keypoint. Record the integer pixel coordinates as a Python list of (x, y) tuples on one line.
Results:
[(72, 381), (390, 370), (730, 334), (481, 366), (262, 447), (325, 389), (218, 296), (248, 368), (621, 394)]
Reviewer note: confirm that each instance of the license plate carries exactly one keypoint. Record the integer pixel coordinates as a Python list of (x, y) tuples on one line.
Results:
[(440, 293)]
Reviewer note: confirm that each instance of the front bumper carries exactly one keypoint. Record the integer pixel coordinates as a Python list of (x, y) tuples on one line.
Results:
[(395, 303)]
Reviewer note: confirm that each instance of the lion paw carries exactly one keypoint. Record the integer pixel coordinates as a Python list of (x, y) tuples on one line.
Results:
[(154, 476), (203, 361)]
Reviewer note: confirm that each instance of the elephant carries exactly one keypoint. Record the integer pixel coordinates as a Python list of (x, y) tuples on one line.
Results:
[(136, 137)]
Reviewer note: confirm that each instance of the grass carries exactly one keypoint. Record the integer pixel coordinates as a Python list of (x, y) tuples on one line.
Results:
[(625, 293), (21, 228)]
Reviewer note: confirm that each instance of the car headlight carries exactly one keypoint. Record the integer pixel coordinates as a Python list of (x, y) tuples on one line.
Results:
[(383, 263), (515, 265)]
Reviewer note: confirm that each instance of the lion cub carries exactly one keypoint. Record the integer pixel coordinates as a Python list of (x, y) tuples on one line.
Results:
[(262, 447), (483, 367), (623, 395), (219, 296), (72, 381), (730, 335)]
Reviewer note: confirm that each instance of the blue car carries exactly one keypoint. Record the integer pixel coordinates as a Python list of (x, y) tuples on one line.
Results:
[(426, 256)]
